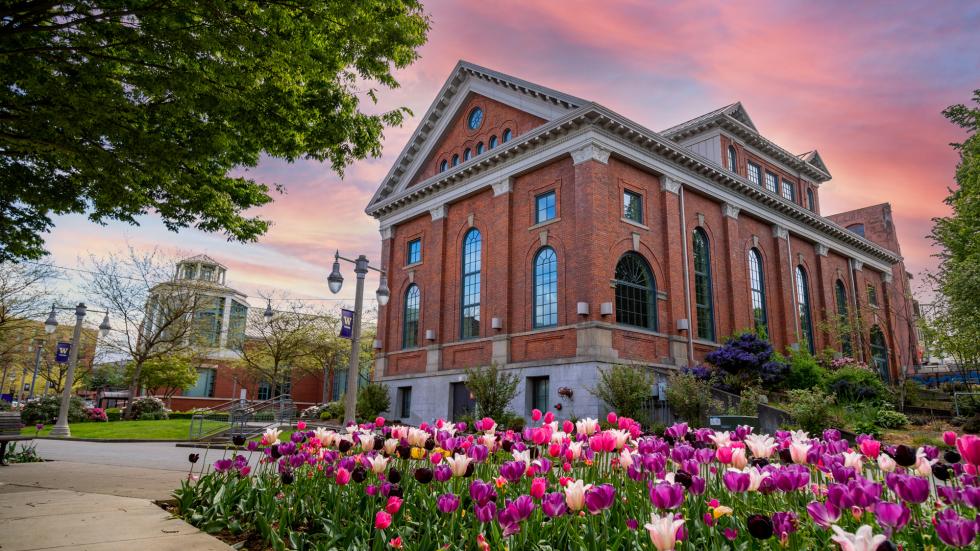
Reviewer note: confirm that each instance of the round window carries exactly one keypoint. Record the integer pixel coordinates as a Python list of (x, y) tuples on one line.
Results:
[(476, 118)]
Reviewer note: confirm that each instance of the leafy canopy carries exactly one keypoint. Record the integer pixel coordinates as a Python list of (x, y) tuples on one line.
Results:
[(117, 108)]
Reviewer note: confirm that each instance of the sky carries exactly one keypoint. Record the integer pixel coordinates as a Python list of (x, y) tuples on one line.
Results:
[(864, 83)]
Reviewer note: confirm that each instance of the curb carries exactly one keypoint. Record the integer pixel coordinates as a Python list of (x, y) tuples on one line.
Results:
[(111, 440)]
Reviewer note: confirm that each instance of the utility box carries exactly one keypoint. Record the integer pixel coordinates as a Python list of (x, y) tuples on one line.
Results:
[(731, 422)]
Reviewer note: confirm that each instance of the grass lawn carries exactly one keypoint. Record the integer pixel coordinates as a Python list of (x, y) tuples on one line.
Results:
[(170, 429)]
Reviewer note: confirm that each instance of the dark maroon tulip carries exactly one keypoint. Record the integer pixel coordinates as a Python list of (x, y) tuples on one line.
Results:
[(423, 475), (404, 451), (904, 455), (760, 526), (286, 477), (193, 458), (394, 476), (952, 457), (274, 451), (359, 474), (238, 440), (345, 446), (430, 444)]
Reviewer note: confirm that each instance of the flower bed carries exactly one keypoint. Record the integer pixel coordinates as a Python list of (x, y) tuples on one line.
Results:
[(563, 485)]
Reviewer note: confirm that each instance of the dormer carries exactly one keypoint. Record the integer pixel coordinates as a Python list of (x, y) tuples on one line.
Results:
[(201, 268)]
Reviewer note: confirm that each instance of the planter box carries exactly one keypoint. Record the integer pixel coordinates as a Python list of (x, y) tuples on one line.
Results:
[(730, 422)]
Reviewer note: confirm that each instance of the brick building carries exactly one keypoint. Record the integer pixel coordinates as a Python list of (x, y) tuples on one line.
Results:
[(547, 234), (222, 318)]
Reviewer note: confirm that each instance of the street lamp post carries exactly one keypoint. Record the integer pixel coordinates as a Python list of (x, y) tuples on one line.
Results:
[(335, 281), (38, 350), (60, 428)]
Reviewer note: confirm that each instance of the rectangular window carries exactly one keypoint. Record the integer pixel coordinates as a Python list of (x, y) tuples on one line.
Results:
[(872, 295), (404, 402), (633, 206), (544, 207), (208, 321), (204, 387), (772, 182), (414, 251), (754, 172), (538, 393), (789, 190), (339, 385), (265, 391)]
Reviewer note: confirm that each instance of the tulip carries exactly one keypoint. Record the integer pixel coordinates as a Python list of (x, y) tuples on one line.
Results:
[(599, 498), (910, 488), (798, 451), (481, 492), (759, 526), (663, 531), (611, 417), (784, 523), (886, 463), (587, 426), (893, 516), (949, 438), (447, 503), (738, 459), (458, 464), (862, 540), (666, 496), (378, 463), (553, 504), (301, 425), (575, 495), (486, 512), (396, 542), (536, 415), (736, 481), (870, 448), (342, 477), (538, 487), (394, 505), (969, 447), (823, 514), (270, 436), (955, 530), (760, 445), (382, 520), (853, 460), (721, 439), (379, 422)]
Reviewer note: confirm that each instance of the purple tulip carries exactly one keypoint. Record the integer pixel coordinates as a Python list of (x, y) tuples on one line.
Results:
[(784, 523), (443, 473), (823, 514), (287, 448), (970, 495), (513, 471), (863, 492), (893, 516), (682, 453), (697, 485), (704, 455), (736, 481), (955, 530), (599, 498), (791, 478), (481, 492), (912, 489), (222, 465), (677, 431), (669, 496), (478, 453), (252, 445), (831, 435), (521, 508), (553, 504), (447, 503), (486, 512)]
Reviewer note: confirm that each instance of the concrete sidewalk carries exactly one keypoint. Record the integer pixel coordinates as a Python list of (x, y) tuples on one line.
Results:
[(69, 505)]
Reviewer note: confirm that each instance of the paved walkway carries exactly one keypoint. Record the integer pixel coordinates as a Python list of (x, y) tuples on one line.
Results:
[(97, 497)]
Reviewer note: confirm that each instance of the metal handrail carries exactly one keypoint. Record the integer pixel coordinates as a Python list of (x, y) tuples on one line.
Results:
[(240, 417)]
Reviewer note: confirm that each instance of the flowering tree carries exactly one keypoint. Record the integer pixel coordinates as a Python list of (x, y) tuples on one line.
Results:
[(748, 358)]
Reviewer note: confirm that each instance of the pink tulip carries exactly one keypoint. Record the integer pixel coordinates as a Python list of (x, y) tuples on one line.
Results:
[(870, 448), (435, 458), (343, 476), (379, 422), (382, 520), (301, 425), (724, 455), (536, 415), (969, 447), (739, 460), (949, 438), (394, 505), (568, 427), (549, 417), (611, 417), (538, 487)]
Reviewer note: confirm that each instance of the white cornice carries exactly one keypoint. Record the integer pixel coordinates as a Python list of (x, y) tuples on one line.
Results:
[(502, 187), (729, 210), (590, 152)]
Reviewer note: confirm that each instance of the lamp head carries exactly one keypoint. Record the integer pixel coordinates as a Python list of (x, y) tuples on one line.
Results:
[(268, 311), (383, 292), (51, 323), (104, 327), (335, 281)]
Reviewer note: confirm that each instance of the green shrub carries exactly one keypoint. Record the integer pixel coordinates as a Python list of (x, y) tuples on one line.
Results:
[(972, 424), (626, 390), (868, 427), (513, 421), (888, 419), (748, 405), (493, 389), (811, 409), (147, 404), (690, 398), (804, 371), (332, 410), (114, 414), (153, 416), (372, 399), (855, 384), (45, 410)]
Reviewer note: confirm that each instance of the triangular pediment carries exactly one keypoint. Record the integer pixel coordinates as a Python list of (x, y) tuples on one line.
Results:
[(444, 130), (813, 157)]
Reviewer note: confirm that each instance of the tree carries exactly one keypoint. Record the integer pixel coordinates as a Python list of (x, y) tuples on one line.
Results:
[(625, 389), (122, 108), (275, 350), (492, 389), (167, 374), (153, 316), (956, 315), (24, 297)]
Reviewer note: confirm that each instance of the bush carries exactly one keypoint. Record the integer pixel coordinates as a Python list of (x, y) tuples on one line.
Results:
[(811, 409), (749, 402), (153, 416), (855, 384), (804, 371), (139, 407), (45, 410), (972, 424), (332, 410), (512, 421), (690, 397), (748, 358), (97, 414), (888, 419), (492, 390), (113, 414), (372, 399), (626, 390)]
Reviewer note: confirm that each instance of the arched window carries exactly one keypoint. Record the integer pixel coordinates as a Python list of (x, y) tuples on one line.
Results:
[(470, 300), (493, 142), (636, 292), (479, 148), (803, 303), (757, 283), (410, 319), (443, 165), (732, 159), (843, 319), (857, 228), (545, 288), (879, 352), (702, 286), (810, 203), (455, 160), (507, 136), (467, 154)]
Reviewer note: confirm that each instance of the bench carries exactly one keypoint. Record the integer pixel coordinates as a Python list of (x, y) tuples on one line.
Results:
[(10, 426)]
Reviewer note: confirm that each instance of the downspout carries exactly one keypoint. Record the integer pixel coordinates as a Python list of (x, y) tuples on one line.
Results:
[(793, 290), (857, 307), (687, 279)]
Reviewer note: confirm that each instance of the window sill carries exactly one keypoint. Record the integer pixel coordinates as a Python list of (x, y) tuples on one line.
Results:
[(545, 223), (412, 265), (634, 223)]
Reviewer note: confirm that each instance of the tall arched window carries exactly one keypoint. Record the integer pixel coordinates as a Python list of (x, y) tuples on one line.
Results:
[(410, 319), (803, 303), (479, 148), (705, 309), (757, 283), (879, 352), (507, 136), (732, 159), (455, 160), (636, 292), (470, 300), (443, 165), (467, 154), (493, 142), (810, 203), (843, 319), (545, 288)]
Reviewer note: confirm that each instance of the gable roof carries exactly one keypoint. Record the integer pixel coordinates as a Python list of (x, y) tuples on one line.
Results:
[(735, 119), (542, 101), (202, 259)]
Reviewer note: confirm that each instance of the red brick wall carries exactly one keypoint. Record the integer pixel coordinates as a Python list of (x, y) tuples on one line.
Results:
[(743, 156)]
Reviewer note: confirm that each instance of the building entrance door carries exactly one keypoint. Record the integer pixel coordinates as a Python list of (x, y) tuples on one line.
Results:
[(463, 404)]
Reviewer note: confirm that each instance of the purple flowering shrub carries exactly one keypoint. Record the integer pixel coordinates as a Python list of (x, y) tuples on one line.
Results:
[(747, 358)]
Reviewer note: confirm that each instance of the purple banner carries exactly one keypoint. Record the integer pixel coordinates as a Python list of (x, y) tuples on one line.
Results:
[(61, 352), (346, 323)]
